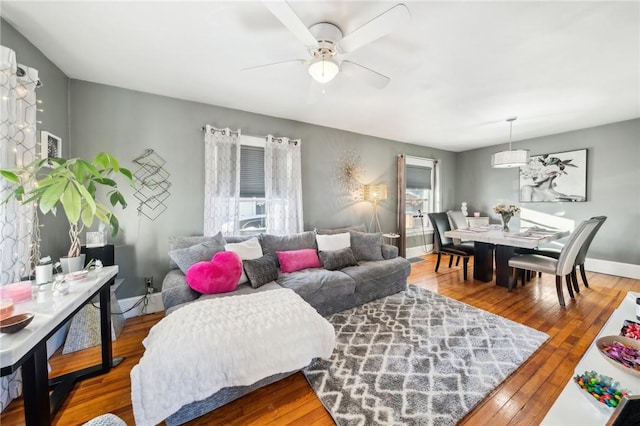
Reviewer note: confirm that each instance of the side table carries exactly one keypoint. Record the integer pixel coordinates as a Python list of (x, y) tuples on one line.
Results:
[(393, 238), (84, 331)]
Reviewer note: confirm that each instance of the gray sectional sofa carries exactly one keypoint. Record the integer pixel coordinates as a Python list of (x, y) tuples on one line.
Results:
[(329, 291)]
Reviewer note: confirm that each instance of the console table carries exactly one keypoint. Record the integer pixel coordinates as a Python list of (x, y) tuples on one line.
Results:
[(28, 347), (572, 408)]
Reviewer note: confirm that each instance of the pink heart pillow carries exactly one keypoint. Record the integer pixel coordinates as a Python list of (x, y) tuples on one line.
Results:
[(220, 275)]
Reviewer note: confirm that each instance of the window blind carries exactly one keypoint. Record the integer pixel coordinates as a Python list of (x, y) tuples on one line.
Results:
[(251, 172), (418, 177)]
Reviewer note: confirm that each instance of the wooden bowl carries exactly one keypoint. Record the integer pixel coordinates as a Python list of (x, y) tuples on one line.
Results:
[(15, 323), (627, 341)]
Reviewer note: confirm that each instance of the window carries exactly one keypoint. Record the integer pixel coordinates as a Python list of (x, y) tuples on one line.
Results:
[(252, 193), (421, 192)]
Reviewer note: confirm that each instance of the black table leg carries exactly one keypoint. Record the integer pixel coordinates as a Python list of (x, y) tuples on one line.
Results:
[(483, 261), (35, 388), (105, 327), (504, 273)]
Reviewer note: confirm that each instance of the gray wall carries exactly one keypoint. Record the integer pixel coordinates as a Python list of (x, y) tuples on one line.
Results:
[(125, 123), (55, 119), (613, 184)]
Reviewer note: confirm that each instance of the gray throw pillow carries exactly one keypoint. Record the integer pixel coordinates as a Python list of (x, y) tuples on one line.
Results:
[(178, 242), (331, 231), (272, 243), (338, 259), (366, 246), (261, 271), (186, 257)]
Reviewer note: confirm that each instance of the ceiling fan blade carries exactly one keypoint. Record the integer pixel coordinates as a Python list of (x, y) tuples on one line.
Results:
[(365, 74), (290, 61), (379, 26), (289, 19)]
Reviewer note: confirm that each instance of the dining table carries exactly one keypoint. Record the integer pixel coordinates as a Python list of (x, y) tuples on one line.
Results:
[(492, 240)]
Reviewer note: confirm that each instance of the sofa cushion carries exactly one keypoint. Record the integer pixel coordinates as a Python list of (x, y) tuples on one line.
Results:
[(248, 249), (370, 276), (220, 275), (272, 243), (184, 258), (333, 241), (366, 246), (338, 259), (296, 260), (261, 271), (318, 286), (330, 231), (179, 242)]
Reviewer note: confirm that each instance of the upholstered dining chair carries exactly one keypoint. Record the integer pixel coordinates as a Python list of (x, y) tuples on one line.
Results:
[(563, 265), (580, 258), (457, 220), (446, 245)]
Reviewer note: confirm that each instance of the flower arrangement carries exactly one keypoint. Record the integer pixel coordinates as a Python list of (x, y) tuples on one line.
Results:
[(545, 167), (506, 211), (503, 209)]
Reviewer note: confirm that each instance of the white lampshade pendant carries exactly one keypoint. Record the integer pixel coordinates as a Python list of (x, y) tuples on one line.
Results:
[(512, 157)]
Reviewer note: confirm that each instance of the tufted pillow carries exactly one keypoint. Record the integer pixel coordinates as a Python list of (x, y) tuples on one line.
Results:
[(178, 242), (331, 231), (338, 259), (333, 241), (272, 243), (295, 260), (261, 271), (220, 275), (366, 246), (185, 257), (249, 249)]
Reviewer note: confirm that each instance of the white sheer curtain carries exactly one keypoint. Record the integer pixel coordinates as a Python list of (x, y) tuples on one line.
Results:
[(17, 148), (283, 185), (222, 180)]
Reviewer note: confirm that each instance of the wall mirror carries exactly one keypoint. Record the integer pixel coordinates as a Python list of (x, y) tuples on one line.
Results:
[(418, 194)]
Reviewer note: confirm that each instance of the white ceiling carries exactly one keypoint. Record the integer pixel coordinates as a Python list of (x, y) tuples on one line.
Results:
[(457, 69)]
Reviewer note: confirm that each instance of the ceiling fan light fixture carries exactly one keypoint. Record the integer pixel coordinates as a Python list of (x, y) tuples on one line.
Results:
[(512, 157), (323, 70)]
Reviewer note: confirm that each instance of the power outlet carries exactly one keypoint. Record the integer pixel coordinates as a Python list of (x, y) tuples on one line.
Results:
[(148, 281)]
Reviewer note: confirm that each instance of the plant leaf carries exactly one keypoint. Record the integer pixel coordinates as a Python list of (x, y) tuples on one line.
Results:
[(72, 203), (52, 195), (87, 216), (10, 176), (87, 197)]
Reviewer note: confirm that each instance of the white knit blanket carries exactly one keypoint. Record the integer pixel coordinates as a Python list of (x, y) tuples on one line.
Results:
[(216, 343)]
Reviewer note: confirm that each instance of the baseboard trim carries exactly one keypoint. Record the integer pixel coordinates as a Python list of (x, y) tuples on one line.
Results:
[(154, 304), (608, 267), (418, 251)]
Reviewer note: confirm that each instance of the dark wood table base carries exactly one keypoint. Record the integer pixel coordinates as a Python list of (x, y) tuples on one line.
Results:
[(483, 263)]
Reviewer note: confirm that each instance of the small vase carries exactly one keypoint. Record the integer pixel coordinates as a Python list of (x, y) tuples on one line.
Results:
[(505, 222)]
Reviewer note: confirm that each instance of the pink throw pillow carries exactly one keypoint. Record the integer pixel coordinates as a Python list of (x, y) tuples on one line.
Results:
[(295, 260), (220, 275)]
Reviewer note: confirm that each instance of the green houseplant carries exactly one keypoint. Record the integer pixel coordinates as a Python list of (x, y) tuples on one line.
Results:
[(72, 185)]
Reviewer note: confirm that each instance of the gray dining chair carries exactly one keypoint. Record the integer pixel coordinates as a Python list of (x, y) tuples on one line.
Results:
[(560, 267), (580, 258)]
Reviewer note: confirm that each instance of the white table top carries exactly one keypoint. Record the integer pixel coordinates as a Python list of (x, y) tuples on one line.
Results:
[(49, 311), (493, 234), (574, 408)]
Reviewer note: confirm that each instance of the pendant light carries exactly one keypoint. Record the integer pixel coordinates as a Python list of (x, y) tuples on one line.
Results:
[(512, 157)]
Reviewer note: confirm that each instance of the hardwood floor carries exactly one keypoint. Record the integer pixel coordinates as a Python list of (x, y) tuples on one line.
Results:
[(524, 398)]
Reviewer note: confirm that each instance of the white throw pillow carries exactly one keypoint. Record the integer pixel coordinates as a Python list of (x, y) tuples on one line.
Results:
[(250, 249), (333, 242)]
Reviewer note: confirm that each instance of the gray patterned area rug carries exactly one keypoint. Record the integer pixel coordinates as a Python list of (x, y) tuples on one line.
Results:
[(417, 358)]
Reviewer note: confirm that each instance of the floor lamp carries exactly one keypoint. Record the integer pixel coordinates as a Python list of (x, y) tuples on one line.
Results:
[(374, 194)]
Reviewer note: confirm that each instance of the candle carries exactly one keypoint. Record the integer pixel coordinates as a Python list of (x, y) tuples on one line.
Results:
[(18, 292)]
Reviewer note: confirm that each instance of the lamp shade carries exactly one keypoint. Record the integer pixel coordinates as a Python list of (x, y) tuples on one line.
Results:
[(375, 193), (323, 70), (511, 158)]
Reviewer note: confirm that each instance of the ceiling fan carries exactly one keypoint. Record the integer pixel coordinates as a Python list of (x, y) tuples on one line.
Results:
[(326, 43)]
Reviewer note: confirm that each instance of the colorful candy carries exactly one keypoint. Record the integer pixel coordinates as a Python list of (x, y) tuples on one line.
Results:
[(631, 329), (602, 388)]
